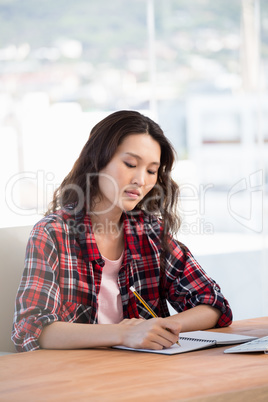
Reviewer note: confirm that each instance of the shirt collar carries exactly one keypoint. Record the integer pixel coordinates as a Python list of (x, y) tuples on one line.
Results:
[(132, 233)]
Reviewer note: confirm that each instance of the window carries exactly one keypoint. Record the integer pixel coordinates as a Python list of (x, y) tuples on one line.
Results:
[(198, 67)]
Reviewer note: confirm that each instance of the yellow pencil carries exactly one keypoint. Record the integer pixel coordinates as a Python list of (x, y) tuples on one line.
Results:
[(148, 308)]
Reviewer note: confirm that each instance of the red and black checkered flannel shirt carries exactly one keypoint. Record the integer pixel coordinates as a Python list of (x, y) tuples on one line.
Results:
[(63, 269)]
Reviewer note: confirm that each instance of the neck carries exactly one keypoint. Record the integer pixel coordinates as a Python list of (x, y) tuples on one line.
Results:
[(106, 227), (106, 224), (108, 230)]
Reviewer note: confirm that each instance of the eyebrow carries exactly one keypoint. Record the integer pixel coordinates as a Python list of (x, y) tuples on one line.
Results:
[(138, 157)]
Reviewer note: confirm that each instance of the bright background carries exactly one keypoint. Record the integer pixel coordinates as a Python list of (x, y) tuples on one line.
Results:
[(198, 67)]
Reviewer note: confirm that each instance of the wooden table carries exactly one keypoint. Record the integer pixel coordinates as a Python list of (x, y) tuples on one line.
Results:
[(119, 375)]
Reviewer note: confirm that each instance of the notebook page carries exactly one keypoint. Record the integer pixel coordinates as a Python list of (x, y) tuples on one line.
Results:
[(220, 338), (186, 346)]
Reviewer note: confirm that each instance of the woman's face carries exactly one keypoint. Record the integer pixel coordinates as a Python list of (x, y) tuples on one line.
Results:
[(130, 175)]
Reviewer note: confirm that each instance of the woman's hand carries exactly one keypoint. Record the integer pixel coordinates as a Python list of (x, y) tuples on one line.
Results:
[(155, 333)]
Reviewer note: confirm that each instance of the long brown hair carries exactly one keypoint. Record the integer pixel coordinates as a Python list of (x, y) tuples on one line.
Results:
[(101, 146)]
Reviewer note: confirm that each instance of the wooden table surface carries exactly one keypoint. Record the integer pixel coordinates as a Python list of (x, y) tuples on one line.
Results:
[(119, 375)]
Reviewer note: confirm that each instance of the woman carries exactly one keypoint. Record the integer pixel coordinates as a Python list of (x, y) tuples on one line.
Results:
[(110, 227)]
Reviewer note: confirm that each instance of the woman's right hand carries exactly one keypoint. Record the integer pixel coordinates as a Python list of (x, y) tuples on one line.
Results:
[(155, 333)]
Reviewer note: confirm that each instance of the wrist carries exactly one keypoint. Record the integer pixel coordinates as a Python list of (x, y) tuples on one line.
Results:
[(116, 334)]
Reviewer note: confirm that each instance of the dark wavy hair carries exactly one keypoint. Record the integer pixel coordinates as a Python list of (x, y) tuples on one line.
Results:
[(101, 146)]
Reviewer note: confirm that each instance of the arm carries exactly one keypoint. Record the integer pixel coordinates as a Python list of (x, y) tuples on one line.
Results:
[(196, 296), (156, 333), (197, 318), (38, 299)]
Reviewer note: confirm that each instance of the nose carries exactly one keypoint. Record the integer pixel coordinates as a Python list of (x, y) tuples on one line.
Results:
[(139, 178)]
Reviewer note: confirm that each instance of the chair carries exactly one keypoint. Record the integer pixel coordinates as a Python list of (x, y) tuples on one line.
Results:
[(13, 242)]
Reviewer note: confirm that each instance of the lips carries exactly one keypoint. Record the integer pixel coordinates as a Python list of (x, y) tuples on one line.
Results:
[(132, 193)]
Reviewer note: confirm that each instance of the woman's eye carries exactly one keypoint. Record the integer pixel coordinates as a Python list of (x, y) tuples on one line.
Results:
[(129, 165), (151, 172)]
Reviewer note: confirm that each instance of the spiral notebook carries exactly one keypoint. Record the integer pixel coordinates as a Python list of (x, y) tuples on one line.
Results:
[(196, 340)]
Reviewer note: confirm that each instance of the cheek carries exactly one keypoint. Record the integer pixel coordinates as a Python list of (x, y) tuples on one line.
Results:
[(150, 184), (108, 184)]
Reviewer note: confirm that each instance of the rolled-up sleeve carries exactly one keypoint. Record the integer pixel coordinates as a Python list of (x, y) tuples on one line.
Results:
[(38, 299), (190, 286)]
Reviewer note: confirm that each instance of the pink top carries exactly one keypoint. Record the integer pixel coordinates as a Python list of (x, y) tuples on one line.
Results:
[(110, 309)]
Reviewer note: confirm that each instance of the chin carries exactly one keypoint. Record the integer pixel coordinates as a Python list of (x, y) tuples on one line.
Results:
[(129, 206)]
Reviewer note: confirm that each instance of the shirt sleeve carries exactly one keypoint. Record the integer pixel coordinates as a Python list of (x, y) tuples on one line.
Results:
[(189, 285), (38, 299)]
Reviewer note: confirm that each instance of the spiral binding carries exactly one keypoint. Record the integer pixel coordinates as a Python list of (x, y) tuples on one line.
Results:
[(185, 338)]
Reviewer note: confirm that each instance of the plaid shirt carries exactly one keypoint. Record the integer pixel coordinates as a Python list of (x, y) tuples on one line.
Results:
[(63, 269)]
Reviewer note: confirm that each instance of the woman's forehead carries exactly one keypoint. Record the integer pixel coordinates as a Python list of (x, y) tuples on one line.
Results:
[(142, 146)]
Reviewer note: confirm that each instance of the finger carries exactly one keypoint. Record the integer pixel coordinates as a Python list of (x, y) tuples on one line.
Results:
[(159, 331), (158, 342), (169, 337), (171, 325)]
